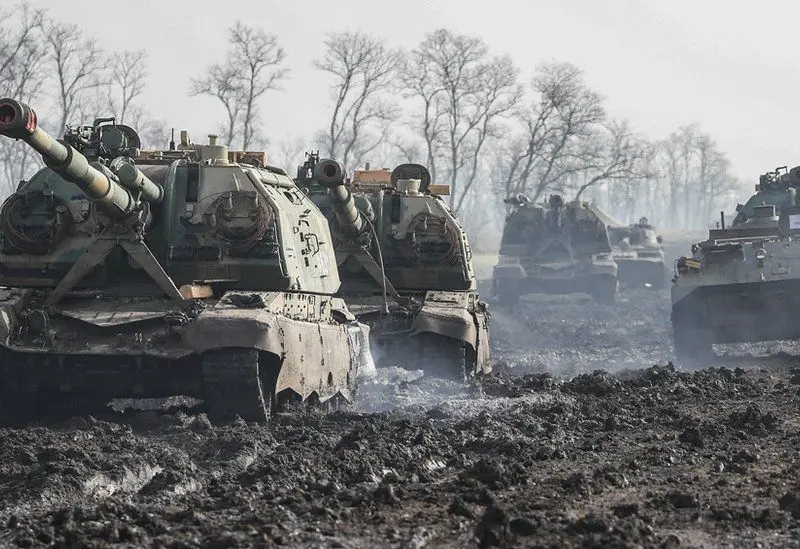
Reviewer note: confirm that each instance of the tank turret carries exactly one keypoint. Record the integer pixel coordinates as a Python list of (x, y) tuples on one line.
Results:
[(193, 271)]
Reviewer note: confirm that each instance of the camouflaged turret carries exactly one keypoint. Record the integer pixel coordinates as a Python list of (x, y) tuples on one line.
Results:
[(405, 265), (192, 271), (555, 247)]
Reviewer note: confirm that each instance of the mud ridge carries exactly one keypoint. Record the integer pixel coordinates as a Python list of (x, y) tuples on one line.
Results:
[(589, 435)]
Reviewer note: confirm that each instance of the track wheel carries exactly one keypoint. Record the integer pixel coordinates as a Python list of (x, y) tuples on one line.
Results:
[(238, 381), (442, 357)]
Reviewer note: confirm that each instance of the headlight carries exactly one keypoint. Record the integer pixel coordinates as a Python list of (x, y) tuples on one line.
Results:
[(761, 254)]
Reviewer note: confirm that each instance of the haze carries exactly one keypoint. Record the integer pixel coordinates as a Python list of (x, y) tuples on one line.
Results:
[(730, 67)]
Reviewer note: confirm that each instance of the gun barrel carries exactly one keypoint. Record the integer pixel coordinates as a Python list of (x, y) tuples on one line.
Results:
[(330, 173), (18, 121)]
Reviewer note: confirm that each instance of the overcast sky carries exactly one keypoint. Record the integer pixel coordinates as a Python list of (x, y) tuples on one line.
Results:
[(731, 66)]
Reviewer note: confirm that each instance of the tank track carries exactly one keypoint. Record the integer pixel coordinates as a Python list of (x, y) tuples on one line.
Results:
[(444, 357), (18, 409), (40, 387), (234, 385)]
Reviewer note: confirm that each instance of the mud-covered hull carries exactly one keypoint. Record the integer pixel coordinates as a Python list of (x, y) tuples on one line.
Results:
[(447, 334), (740, 286), (738, 312), (98, 350)]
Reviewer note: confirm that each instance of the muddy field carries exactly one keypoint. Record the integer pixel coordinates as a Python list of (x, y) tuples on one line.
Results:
[(587, 437)]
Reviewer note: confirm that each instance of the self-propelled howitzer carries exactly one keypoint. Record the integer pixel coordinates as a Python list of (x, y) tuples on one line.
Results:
[(192, 271), (406, 266), (555, 247)]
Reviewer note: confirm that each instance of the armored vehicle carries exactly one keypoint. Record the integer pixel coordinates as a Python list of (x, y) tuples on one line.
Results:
[(406, 266), (133, 273), (555, 247), (742, 284), (639, 255), (777, 188)]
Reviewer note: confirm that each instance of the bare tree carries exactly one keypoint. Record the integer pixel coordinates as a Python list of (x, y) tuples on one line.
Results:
[(364, 70), (127, 82), (421, 84), (152, 131), (616, 154), (261, 55), (694, 179), (677, 154), (221, 82), (21, 50), (410, 150), (290, 153), (251, 68), (22, 74), (633, 197), (714, 178), (558, 132), (464, 93), (80, 67), (688, 137)]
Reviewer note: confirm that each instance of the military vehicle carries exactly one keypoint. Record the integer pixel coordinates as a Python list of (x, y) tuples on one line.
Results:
[(639, 255), (555, 247), (777, 188), (406, 266), (742, 284), (132, 274)]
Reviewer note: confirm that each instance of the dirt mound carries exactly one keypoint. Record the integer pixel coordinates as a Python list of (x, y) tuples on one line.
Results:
[(583, 450)]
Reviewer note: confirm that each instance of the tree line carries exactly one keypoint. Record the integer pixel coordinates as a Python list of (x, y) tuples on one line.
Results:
[(449, 103)]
